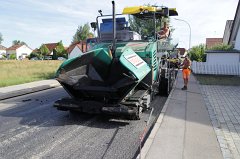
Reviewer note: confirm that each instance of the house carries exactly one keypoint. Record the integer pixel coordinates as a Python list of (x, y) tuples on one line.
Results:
[(227, 31), (76, 49), (51, 47), (2, 51), (52, 50), (20, 50), (234, 38), (223, 62), (37, 50), (210, 42)]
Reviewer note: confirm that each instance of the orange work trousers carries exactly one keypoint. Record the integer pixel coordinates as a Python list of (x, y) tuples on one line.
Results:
[(186, 73)]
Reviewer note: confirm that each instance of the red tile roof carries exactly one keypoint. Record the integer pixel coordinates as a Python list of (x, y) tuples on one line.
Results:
[(210, 42), (81, 45), (15, 47), (51, 46), (36, 50), (2, 47)]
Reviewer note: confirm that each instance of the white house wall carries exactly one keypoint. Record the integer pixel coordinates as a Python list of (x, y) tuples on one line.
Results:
[(75, 52), (23, 51), (223, 58), (2, 52)]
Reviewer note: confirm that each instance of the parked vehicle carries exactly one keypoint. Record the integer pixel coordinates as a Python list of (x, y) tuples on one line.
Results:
[(47, 58), (34, 58), (61, 58)]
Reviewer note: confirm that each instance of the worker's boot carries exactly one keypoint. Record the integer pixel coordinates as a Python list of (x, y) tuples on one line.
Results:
[(184, 88)]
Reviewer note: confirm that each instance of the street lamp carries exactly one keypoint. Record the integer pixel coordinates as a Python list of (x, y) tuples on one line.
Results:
[(189, 30)]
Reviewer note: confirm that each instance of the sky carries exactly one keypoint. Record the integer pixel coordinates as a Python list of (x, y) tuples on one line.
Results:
[(47, 21)]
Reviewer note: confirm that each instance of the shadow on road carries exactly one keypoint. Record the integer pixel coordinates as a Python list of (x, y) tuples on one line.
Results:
[(38, 112)]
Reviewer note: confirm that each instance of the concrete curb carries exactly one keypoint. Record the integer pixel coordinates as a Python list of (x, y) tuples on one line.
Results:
[(149, 141), (27, 90)]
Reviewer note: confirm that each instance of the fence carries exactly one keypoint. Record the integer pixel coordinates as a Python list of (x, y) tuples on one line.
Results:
[(216, 69)]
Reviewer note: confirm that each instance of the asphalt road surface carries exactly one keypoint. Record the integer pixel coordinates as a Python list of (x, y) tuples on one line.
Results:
[(30, 127)]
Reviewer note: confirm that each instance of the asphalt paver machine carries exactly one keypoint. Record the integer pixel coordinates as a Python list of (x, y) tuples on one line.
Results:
[(123, 71)]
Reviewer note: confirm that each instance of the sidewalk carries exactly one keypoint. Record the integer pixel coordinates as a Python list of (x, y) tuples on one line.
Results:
[(184, 128), (17, 90), (223, 106)]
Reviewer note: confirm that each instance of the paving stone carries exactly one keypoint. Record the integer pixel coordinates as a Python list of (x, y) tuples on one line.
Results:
[(224, 111)]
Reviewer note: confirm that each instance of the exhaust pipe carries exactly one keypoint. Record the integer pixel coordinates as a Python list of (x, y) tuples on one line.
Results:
[(114, 29)]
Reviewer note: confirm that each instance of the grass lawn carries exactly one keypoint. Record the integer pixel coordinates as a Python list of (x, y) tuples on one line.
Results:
[(218, 80), (14, 72)]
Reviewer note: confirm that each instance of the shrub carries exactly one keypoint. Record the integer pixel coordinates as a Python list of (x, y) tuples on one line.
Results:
[(197, 53), (12, 56), (222, 47), (34, 54)]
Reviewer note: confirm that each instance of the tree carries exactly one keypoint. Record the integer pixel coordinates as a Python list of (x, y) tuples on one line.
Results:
[(35, 53), (145, 27), (1, 38), (44, 50), (82, 33), (197, 53), (18, 42), (60, 50)]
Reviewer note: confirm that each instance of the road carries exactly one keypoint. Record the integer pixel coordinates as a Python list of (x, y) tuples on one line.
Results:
[(31, 128)]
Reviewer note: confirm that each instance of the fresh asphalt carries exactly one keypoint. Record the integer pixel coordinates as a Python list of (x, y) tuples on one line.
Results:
[(30, 127)]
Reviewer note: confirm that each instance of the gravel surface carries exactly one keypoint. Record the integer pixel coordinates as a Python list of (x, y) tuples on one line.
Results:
[(31, 128)]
